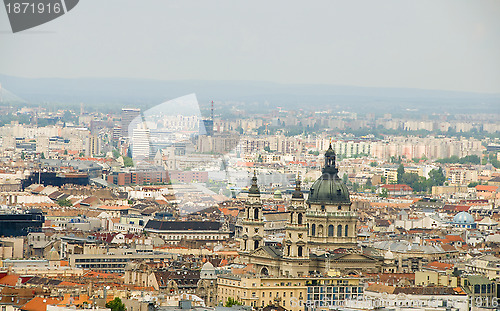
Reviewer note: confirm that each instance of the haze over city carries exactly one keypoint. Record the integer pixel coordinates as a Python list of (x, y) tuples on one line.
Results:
[(445, 45), (249, 156)]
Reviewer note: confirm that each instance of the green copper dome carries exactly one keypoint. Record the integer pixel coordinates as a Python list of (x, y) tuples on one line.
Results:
[(329, 189), (277, 194)]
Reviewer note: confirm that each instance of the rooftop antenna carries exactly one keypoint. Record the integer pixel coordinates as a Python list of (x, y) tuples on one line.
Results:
[(212, 111)]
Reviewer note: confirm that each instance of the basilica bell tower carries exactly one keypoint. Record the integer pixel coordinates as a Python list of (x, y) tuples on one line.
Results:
[(252, 223), (295, 249)]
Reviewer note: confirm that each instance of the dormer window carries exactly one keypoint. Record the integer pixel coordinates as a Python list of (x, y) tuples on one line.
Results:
[(340, 207)]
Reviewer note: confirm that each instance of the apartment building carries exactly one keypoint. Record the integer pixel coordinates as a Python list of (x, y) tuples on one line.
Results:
[(293, 294)]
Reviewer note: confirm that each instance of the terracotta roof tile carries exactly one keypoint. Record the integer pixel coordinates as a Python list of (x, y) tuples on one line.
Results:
[(39, 304)]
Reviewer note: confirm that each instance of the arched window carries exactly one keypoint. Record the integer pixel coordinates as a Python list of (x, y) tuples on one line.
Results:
[(288, 250), (299, 251), (264, 271), (291, 217), (255, 244), (330, 230), (256, 213), (299, 219), (313, 229), (346, 230), (339, 230), (248, 213)]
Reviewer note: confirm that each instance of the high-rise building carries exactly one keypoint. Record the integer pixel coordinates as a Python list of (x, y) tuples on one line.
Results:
[(141, 144), (128, 115), (206, 127), (93, 146), (117, 132)]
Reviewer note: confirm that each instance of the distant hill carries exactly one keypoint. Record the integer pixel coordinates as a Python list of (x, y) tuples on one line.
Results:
[(115, 93)]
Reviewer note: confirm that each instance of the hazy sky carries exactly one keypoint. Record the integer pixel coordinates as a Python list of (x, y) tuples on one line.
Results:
[(450, 45)]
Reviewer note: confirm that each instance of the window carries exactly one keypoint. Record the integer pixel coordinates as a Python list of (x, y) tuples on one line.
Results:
[(346, 230), (330, 230), (313, 229), (299, 251), (339, 230), (299, 221)]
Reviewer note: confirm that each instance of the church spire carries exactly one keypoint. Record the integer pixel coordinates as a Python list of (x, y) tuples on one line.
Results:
[(254, 189), (297, 194)]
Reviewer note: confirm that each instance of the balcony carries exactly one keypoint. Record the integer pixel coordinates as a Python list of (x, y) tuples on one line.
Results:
[(345, 214)]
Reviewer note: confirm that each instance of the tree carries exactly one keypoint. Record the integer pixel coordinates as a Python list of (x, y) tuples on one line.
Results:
[(129, 152), (64, 202), (493, 160), (395, 160), (401, 171), (229, 303), (266, 148), (373, 164), (116, 305), (42, 156), (128, 162), (368, 183), (355, 187), (345, 178), (436, 177), (384, 193)]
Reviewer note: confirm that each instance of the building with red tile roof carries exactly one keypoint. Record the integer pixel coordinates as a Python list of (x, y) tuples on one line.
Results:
[(39, 304), (438, 266)]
